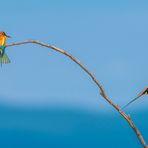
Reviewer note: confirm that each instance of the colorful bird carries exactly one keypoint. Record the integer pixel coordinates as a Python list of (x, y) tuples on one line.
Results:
[(143, 92), (3, 56)]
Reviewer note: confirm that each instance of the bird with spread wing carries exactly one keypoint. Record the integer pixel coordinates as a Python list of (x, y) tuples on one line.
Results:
[(143, 92)]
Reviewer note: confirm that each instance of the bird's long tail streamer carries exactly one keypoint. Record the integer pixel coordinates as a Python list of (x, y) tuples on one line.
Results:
[(130, 102)]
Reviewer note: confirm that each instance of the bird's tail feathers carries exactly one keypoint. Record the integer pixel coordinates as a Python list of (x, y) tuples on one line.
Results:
[(4, 59)]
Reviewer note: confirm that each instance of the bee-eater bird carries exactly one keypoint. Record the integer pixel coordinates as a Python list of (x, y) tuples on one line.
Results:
[(3, 56), (143, 92)]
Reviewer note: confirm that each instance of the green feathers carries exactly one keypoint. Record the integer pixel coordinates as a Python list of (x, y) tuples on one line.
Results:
[(4, 59), (3, 56)]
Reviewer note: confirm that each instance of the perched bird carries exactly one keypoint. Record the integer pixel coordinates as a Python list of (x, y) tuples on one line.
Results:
[(3, 56), (143, 92)]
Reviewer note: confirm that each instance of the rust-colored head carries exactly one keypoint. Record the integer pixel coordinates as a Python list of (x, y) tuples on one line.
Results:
[(4, 34)]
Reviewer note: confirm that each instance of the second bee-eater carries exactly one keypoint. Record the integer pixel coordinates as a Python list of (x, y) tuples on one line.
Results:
[(143, 92), (3, 56)]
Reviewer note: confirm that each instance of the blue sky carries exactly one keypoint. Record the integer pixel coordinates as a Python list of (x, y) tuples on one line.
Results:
[(108, 37)]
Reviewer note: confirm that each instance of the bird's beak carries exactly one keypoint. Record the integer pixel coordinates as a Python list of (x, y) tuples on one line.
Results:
[(8, 36)]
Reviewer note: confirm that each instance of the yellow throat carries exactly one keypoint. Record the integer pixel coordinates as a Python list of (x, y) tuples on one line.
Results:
[(2, 40)]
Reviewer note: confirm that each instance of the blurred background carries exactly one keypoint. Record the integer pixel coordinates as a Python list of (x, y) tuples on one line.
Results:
[(46, 100)]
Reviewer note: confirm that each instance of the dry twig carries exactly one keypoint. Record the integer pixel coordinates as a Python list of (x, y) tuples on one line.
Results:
[(102, 92)]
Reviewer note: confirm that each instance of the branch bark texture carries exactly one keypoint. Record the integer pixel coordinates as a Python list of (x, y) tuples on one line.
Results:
[(102, 92)]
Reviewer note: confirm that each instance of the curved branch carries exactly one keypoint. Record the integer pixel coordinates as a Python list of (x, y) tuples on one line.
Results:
[(102, 92)]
